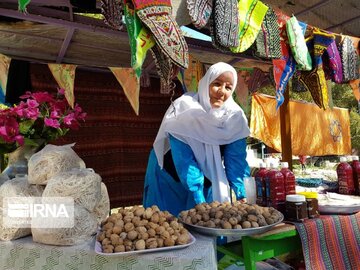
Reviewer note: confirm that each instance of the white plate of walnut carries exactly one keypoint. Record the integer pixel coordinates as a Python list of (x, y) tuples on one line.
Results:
[(135, 230), (226, 219)]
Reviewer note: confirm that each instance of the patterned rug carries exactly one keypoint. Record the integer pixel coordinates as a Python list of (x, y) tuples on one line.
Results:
[(331, 242)]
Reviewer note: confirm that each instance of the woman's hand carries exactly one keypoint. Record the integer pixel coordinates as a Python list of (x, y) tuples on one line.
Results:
[(243, 200)]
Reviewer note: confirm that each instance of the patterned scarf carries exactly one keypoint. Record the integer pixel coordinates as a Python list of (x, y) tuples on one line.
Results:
[(157, 16), (251, 15), (268, 39), (199, 11), (332, 63), (284, 68), (226, 22), (113, 12), (349, 59), (315, 80)]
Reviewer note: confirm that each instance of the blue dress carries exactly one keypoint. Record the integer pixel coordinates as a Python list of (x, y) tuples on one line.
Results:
[(181, 185)]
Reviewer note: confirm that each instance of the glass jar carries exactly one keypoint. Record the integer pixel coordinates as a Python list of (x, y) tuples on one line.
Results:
[(296, 208), (312, 204)]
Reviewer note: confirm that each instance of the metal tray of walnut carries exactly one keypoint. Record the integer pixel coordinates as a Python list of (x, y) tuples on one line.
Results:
[(135, 230), (226, 219)]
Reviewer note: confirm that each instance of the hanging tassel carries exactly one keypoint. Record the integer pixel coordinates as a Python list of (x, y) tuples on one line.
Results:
[(22, 4)]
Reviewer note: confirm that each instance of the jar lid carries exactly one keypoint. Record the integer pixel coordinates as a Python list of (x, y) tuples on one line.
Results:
[(295, 198), (343, 159), (309, 195)]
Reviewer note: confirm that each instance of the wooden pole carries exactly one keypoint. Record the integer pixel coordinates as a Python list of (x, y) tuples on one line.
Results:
[(286, 130)]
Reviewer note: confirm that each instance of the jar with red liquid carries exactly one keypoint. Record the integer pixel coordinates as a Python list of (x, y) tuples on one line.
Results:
[(260, 184), (289, 178), (355, 164), (275, 188), (345, 176)]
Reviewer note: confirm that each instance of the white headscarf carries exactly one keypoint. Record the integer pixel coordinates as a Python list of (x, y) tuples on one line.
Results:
[(192, 120)]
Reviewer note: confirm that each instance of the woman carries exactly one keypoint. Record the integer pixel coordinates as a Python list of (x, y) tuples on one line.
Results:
[(200, 149)]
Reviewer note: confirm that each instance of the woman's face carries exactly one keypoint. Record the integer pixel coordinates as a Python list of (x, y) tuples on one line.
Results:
[(220, 89)]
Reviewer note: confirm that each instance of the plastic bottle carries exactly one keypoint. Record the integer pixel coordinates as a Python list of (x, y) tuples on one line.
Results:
[(260, 184), (289, 178), (345, 177), (275, 188), (355, 164)]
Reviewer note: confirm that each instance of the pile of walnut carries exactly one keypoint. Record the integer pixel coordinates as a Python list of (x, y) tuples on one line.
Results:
[(227, 216), (138, 228)]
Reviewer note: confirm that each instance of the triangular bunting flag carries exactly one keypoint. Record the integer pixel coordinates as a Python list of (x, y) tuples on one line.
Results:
[(130, 84), (4, 72), (64, 75)]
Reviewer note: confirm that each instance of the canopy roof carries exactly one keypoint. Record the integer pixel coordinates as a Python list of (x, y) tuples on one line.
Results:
[(53, 32)]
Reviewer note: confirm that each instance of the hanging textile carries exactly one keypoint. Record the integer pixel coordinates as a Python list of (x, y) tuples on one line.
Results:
[(4, 72), (332, 136), (268, 39), (314, 80), (180, 12), (22, 4), (332, 63), (64, 75), (199, 11), (296, 31), (130, 84), (157, 16), (166, 70), (226, 22), (349, 59), (251, 16), (284, 68), (140, 38), (113, 10)]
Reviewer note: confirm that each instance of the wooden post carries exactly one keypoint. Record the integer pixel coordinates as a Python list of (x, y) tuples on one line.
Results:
[(286, 130)]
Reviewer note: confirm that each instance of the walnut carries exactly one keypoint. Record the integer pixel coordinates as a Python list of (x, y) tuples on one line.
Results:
[(119, 248), (129, 227), (169, 242), (140, 244), (132, 235), (151, 243)]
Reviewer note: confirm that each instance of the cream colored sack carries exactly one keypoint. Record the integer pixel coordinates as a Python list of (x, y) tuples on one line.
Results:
[(16, 187), (102, 209), (50, 161), (85, 225), (83, 185)]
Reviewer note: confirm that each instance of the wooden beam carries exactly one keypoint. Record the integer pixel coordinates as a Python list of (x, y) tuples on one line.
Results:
[(65, 45), (285, 130)]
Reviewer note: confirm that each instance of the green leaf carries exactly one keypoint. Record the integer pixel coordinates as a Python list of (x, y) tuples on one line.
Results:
[(25, 126)]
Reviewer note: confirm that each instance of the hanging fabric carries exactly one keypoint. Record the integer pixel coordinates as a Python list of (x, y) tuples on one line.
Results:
[(157, 16), (113, 11), (283, 68), (226, 22), (64, 75), (268, 39), (296, 32), (349, 59), (334, 138), (332, 63), (22, 4), (140, 39), (4, 72), (251, 15), (199, 11), (314, 80)]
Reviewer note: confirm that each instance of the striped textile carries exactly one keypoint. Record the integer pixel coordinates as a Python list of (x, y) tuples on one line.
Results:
[(331, 242)]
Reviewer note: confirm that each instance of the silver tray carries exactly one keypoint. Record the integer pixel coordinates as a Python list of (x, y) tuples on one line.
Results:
[(98, 249), (230, 232), (339, 209)]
